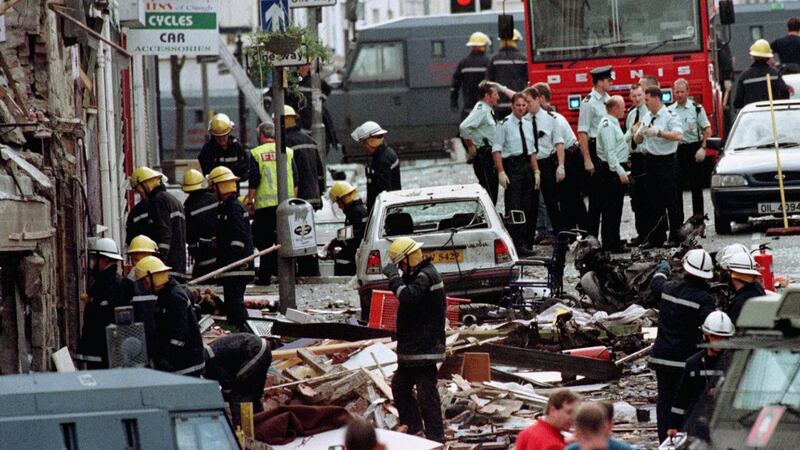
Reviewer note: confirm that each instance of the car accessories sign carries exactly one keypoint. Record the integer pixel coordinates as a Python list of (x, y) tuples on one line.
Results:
[(177, 27)]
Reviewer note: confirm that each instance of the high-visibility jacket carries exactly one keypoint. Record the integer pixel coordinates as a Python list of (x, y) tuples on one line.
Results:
[(267, 189)]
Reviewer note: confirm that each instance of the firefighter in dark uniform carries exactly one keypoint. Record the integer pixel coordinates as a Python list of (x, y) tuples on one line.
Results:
[(744, 281), (168, 222), (180, 346), (309, 179), (223, 149), (751, 86), (420, 337), (239, 363), (478, 131), (683, 305), (514, 152), (383, 172), (142, 300), (509, 68), (105, 294), (693, 405), (234, 242), (200, 208), (470, 71), (593, 109), (138, 220), (356, 215)]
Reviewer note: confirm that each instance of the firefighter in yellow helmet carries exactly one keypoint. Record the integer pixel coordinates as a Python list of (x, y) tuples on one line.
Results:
[(200, 208), (355, 211), (234, 241), (167, 220), (142, 300), (509, 67), (420, 336), (751, 86), (223, 149), (179, 346), (138, 220), (469, 73)]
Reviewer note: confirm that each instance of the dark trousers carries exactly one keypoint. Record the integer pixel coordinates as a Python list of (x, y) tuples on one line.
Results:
[(204, 260), (691, 174), (425, 406), (233, 292), (611, 211), (549, 189), (639, 196), (520, 196), (573, 210), (483, 165), (669, 380), (264, 236), (665, 195), (595, 191), (249, 387)]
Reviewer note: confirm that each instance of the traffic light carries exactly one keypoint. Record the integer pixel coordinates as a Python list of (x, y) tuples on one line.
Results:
[(468, 6)]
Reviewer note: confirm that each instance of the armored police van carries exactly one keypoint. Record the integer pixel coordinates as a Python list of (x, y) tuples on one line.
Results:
[(758, 405), (117, 408), (400, 77)]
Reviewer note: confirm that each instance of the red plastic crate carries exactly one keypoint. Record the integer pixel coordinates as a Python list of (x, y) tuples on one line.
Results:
[(383, 310)]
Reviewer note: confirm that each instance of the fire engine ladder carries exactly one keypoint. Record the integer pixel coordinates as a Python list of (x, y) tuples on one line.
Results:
[(251, 93)]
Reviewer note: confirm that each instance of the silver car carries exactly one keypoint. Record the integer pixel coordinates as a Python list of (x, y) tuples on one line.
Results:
[(461, 231)]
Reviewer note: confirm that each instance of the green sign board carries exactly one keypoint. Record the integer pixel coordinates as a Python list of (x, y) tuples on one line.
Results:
[(177, 27)]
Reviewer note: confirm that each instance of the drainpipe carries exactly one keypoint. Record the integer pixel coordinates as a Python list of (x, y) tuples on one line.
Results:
[(111, 124), (102, 136)]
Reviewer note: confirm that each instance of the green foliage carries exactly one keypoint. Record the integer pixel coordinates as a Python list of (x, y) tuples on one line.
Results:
[(258, 55)]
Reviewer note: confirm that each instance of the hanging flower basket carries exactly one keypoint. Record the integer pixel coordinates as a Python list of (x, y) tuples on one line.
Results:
[(282, 44)]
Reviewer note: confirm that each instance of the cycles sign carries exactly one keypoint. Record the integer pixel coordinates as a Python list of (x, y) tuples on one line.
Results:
[(177, 27)]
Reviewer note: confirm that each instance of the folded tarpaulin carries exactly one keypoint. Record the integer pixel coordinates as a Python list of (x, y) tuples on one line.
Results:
[(285, 423)]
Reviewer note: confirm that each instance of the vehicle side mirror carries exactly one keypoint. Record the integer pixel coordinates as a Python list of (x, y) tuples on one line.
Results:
[(344, 233), (515, 217), (726, 14), (714, 143)]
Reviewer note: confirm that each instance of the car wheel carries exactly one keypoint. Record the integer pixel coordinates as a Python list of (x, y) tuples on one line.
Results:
[(722, 224)]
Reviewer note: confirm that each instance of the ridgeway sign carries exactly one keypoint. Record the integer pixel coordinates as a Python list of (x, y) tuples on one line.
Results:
[(177, 27)]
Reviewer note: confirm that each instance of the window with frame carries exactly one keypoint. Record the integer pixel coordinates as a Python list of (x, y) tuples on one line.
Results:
[(381, 61)]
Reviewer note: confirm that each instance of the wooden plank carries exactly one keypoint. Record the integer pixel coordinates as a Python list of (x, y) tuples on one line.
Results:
[(380, 383), (332, 348), (568, 365), (313, 361)]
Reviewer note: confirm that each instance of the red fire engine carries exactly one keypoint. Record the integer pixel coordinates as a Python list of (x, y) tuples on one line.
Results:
[(666, 38)]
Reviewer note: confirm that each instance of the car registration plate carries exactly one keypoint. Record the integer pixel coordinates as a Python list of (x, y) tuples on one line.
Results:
[(445, 256), (775, 208)]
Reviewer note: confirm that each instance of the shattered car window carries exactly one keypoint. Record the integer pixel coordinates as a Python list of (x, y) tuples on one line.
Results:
[(433, 216), (754, 129), (771, 378)]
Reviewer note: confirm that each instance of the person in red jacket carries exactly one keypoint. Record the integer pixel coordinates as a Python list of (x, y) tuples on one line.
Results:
[(545, 433)]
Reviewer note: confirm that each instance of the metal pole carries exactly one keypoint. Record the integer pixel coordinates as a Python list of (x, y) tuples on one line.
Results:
[(286, 292), (242, 104), (317, 127), (204, 87)]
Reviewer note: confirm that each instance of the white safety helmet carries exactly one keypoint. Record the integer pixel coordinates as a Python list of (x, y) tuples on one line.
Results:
[(743, 263), (724, 256), (719, 324), (105, 247), (367, 129), (697, 262)]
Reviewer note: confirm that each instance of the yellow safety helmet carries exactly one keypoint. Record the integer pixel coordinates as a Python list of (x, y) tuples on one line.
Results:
[(220, 174), (288, 111), (402, 247), (142, 174), (220, 125), (339, 190), (149, 265), (479, 39), (192, 181), (761, 49), (143, 244)]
